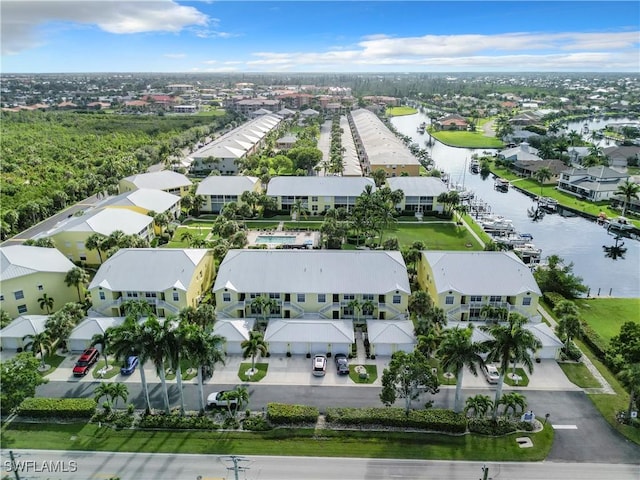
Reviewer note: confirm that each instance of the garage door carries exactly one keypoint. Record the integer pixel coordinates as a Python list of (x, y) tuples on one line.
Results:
[(382, 349), (78, 345), (319, 347), (233, 348), (299, 348), (547, 352), (277, 348), (11, 343)]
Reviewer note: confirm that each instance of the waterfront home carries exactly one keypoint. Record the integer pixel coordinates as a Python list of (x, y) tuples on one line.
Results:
[(467, 285), (167, 279), (420, 193), (313, 284), (70, 235), (593, 183), (166, 180), (12, 336), (524, 151), (217, 191), (224, 153), (622, 155), (28, 273), (528, 168), (379, 148), (452, 122), (317, 194)]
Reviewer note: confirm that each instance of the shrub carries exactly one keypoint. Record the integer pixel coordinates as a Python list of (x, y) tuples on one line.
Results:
[(497, 427), (256, 424), (230, 423), (284, 414), (177, 422), (594, 341), (572, 352), (552, 298), (57, 407), (438, 420)]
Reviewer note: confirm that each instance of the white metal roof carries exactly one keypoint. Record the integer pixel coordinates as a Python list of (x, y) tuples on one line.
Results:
[(162, 180), (304, 330), (313, 271), (146, 198), (19, 260), (24, 325), (480, 273), (234, 329), (91, 326), (105, 221), (391, 331), (225, 185), (418, 186), (318, 186), (148, 269)]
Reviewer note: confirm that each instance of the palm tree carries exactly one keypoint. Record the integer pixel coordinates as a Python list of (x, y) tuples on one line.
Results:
[(542, 176), (155, 339), (187, 237), (96, 241), (510, 343), (265, 305), (628, 190), (356, 306), (569, 327), (118, 390), (204, 350), (513, 400), (479, 404), (298, 209), (103, 340), (46, 302), (41, 343), (456, 352), (253, 346), (103, 390), (428, 341), (77, 277), (630, 378)]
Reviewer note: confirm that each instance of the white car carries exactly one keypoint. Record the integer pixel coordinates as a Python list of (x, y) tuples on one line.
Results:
[(491, 373), (216, 399), (319, 365)]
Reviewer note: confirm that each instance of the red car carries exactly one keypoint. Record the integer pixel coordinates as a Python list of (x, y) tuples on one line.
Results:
[(86, 360)]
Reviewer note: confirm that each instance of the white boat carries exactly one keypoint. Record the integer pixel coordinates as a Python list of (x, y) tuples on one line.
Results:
[(511, 239), (496, 224), (620, 223), (529, 253), (548, 203), (501, 184)]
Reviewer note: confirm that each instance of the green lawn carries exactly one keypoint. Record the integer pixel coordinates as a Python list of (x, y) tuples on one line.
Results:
[(261, 373), (299, 442), (372, 374), (113, 371), (197, 230), (466, 139), (436, 236), (399, 111), (521, 383), (579, 375), (53, 361), (606, 315)]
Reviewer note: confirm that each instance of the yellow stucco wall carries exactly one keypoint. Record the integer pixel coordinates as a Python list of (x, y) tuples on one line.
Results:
[(51, 283)]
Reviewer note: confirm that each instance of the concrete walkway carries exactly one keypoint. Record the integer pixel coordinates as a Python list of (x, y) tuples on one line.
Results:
[(605, 387)]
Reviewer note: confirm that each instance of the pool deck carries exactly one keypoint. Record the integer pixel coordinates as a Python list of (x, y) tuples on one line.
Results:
[(298, 237)]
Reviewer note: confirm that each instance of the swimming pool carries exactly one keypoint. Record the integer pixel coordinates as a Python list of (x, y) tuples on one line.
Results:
[(276, 239)]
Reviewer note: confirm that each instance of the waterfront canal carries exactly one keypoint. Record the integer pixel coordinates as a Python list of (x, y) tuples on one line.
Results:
[(575, 239)]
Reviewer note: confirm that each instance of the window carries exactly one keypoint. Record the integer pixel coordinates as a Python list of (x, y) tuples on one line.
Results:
[(275, 296), (102, 296), (150, 294), (495, 298), (322, 298), (367, 296), (349, 296), (314, 199), (396, 299), (475, 298), (40, 287), (1, 298), (176, 296), (226, 297), (301, 298), (22, 309), (526, 301), (19, 294), (448, 300)]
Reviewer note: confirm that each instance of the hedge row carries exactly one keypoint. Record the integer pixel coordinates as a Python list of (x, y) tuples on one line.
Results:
[(163, 420), (57, 407), (595, 342), (499, 426), (284, 414), (553, 298), (433, 419)]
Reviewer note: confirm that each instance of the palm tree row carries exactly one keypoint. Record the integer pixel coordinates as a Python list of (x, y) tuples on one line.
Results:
[(170, 342)]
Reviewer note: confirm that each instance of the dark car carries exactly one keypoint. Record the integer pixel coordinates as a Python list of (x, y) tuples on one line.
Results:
[(86, 360), (129, 365), (342, 364)]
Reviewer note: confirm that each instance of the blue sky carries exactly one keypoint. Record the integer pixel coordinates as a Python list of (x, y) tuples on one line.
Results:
[(314, 36)]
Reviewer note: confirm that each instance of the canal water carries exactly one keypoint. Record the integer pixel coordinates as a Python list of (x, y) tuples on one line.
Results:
[(575, 239)]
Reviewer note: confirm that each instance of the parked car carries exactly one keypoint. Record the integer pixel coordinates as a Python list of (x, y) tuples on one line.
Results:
[(491, 373), (319, 365), (130, 365), (342, 364), (85, 361), (216, 399)]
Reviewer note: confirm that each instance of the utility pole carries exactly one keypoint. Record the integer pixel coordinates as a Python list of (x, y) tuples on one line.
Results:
[(485, 472), (237, 468), (14, 467)]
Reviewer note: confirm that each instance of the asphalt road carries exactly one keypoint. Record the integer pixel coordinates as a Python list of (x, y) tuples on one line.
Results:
[(582, 435), (142, 466)]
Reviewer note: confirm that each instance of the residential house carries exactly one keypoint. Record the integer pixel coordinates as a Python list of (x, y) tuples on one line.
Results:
[(27, 273), (166, 180), (528, 168), (622, 155), (524, 151), (593, 183), (317, 294), (462, 283), (169, 280), (225, 152), (286, 142), (525, 119), (217, 191), (145, 200), (12, 336), (452, 122), (387, 337), (70, 235), (317, 194), (379, 148), (248, 106), (577, 154), (81, 336), (234, 331), (420, 193)]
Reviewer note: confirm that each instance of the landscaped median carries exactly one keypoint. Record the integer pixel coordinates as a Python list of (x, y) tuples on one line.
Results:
[(291, 430)]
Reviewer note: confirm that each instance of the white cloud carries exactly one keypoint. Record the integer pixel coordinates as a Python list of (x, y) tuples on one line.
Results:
[(22, 20), (512, 51), (175, 55)]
